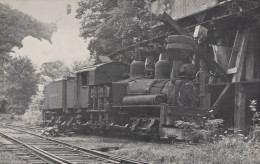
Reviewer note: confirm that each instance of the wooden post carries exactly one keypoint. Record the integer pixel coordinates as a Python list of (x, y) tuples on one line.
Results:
[(250, 58), (240, 107), (43, 115), (64, 96), (204, 95), (163, 111)]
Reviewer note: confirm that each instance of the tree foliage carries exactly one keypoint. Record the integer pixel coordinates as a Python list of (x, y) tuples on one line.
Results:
[(114, 24), (77, 65), (19, 82), (15, 26), (57, 70), (54, 70), (33, 115), (18, 77)]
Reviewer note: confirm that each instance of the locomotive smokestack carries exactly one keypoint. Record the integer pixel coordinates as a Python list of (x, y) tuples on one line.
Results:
[(179, 48)]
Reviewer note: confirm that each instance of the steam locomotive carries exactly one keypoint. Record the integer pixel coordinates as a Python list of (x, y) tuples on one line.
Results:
[(148, 97), (145, 98)]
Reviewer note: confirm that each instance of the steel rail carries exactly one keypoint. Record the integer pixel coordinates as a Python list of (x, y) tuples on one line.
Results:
[(44, 156), (107, 156)]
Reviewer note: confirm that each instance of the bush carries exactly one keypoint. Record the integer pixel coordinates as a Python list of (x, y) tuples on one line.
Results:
[(204, 130), (32, 115)]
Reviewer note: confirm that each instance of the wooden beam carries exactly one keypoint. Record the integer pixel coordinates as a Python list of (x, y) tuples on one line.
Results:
[(204, 95), (248, 13), (240, 107), (250, 58), (241, 56), (43, 115), (201, 53), (221, 98), (231, 65), (166, 19)]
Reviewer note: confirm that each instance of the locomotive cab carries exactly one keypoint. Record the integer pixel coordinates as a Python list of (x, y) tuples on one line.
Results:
[(94, 89)]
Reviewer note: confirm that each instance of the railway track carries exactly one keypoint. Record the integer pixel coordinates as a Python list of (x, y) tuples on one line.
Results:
[(36, 149), (31, 128)]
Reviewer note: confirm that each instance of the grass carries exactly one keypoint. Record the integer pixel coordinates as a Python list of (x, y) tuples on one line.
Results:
[(10, 118), (208, 153), (230, 150), (29, 118), (9, 158), (226, 151)]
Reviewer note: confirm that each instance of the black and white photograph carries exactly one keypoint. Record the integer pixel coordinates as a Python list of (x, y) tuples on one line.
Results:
[(129, 81)]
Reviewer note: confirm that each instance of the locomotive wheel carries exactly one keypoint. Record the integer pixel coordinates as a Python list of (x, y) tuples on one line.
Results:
[(179, 39)]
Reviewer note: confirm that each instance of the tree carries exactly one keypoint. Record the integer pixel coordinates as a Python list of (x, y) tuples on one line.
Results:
[(33, 114), (77, 65), (57, 70), (18, 77), (114, 24), (15, 26), (54, 70), (19, 82)]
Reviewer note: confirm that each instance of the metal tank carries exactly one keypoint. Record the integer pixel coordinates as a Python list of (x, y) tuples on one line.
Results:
[(137, 69), (162, 70)]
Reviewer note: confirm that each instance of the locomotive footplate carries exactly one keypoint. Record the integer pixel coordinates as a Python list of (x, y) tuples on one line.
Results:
[(145, 126)]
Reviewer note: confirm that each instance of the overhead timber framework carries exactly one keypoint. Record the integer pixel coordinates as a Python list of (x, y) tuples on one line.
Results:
[(229, 58), (229, 12)]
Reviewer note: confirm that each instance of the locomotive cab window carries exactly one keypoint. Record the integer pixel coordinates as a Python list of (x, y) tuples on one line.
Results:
[(84, 78)]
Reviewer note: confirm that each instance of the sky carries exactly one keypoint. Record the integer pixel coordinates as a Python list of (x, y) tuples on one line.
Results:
[(66, 44)]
